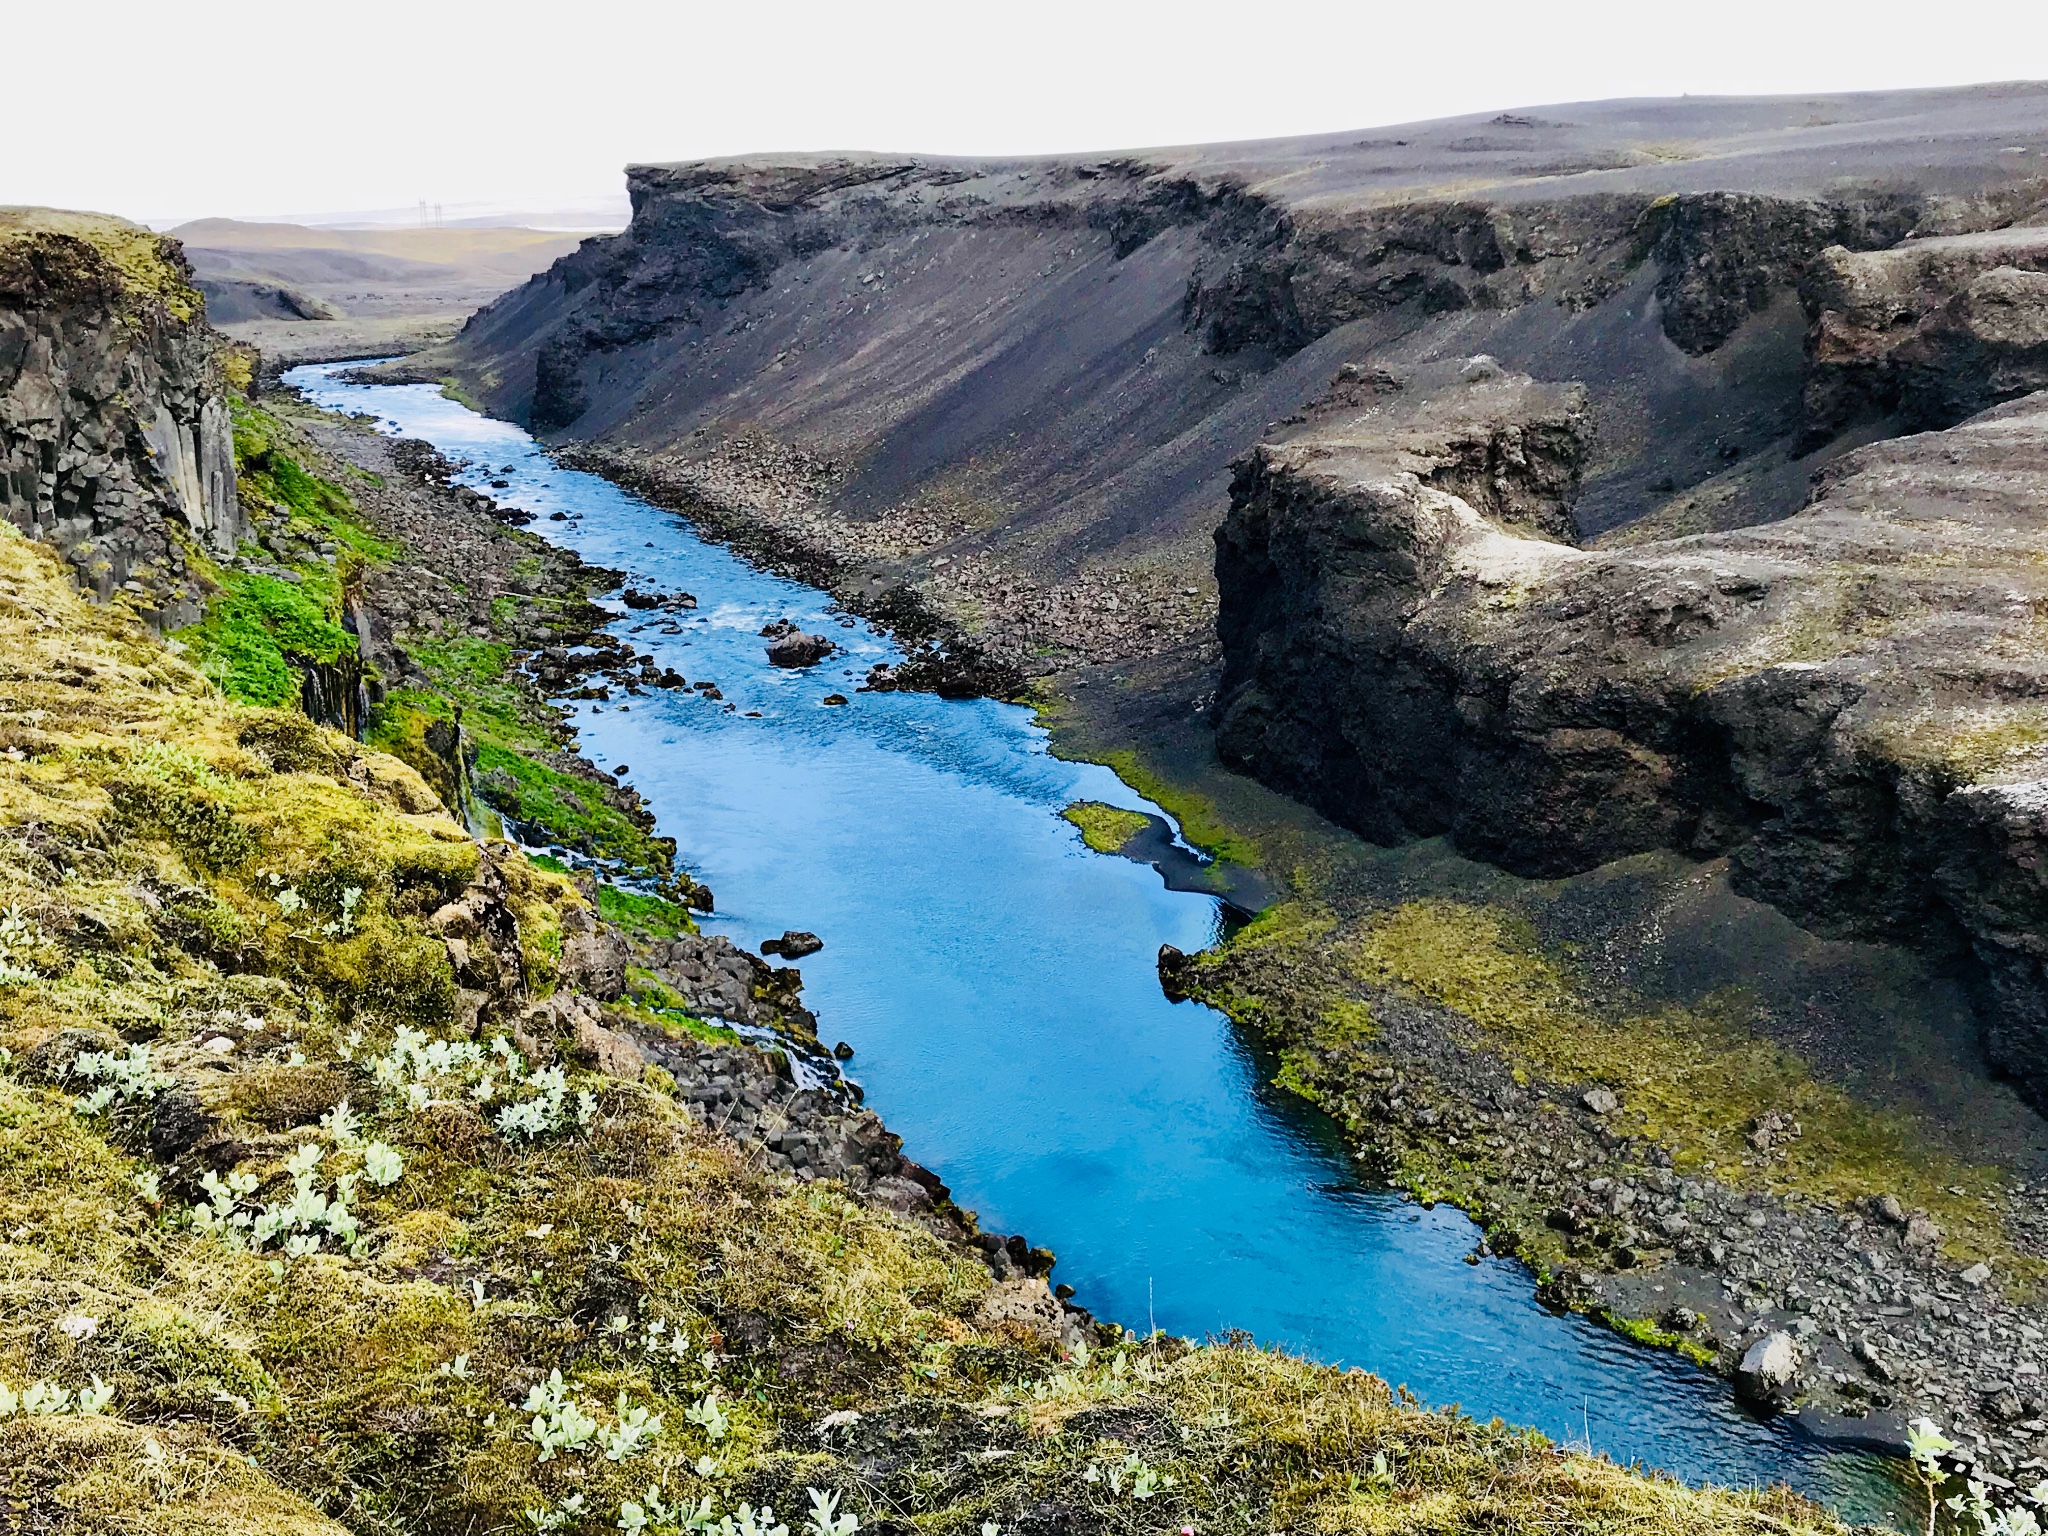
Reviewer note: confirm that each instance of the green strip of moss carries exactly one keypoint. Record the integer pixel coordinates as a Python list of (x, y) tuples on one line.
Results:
[(650, 916), (1645, 1332), (253, 630), (567, 808)]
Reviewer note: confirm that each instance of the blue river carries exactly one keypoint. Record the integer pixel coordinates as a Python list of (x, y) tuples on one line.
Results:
[(996, 979)]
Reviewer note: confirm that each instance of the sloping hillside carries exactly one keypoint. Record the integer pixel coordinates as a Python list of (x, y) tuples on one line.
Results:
[(1042, 370)]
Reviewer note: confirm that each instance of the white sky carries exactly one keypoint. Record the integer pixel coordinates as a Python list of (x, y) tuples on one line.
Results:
[(164, 110)]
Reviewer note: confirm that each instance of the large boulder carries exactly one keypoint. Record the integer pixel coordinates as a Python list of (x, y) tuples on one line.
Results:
[(799, 650), (1769, 1368)]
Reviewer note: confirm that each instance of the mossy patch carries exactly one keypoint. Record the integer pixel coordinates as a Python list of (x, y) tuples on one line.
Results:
[(255, 631), (1105, 828), (260, 631), (1195, 812), (1693, 1079), (567, 810), (145, 264), (1644, 1331), (651, 917)]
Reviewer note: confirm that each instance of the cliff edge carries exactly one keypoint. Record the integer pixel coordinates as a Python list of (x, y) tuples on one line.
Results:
[(115, 441)]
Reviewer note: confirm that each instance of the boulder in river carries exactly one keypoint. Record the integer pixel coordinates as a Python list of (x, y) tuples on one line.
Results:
[(793, 945), (799, 650), (1768, 1368)]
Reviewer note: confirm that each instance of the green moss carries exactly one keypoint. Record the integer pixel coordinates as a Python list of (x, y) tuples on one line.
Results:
[(272, 476), (254, 632), (260, 631), (1972, 747), (568, 810), (478, 675), (653, 1001), (1105, 828), (399, 723), (1196, 813), (1645, 1332), (650, 916), (1692, 1079), (145, 263)]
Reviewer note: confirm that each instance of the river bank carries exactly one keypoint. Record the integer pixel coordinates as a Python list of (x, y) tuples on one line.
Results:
[(469, 624), (1679, 1231), (1364, 1315)]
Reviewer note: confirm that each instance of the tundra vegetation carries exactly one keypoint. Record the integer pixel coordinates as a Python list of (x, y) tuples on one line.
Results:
[(1105, 828)]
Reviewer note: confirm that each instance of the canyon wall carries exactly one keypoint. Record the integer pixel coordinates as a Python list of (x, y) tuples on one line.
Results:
[(1462, 465), (115, 441)]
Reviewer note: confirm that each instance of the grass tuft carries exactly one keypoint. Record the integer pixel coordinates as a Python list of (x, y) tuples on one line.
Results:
[(1105, 828)]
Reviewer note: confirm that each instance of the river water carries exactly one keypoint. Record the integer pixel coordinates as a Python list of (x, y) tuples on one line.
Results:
[(996, 980)]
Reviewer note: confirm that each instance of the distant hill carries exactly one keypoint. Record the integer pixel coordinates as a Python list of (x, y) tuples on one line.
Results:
[(515, 253), (299, 291)]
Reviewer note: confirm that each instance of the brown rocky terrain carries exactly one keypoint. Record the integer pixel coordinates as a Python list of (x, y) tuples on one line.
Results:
[(299, 293)]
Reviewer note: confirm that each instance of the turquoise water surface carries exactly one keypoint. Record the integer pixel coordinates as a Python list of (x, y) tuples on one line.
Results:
[(996, 979)]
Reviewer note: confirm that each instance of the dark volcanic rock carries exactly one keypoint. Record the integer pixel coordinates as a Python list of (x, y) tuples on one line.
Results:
[(115, 443), (1005, 395), (797, 649), (1931, 331), (1852, 703)]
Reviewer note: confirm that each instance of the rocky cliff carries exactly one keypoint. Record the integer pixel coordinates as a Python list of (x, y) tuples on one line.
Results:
[(1928, 332), (1017, 387), (115, 441), (1849, 702)]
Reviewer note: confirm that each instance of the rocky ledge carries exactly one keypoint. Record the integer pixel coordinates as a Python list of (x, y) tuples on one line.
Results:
[(1928, 332), (1849, 703)]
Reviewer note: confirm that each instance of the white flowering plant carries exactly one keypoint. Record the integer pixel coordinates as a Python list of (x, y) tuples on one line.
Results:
[(531, 1105), (47, 1399), (1967, 1502), (313, 1217), (123, 1078)]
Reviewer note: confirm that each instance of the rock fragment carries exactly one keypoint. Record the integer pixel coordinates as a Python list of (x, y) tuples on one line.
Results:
[(1768, 1368), (799, 650)]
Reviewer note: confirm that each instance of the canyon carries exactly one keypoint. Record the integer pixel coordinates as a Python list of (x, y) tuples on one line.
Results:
[(1544, 490), (1576, 570)]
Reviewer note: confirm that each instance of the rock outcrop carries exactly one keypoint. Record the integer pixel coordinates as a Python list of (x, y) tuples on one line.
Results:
[(999, 400), (1851, 704), (1928, 332), (115, 441)]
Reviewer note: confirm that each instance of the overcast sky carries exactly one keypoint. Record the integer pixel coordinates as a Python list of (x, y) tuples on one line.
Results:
[(255, 107)]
